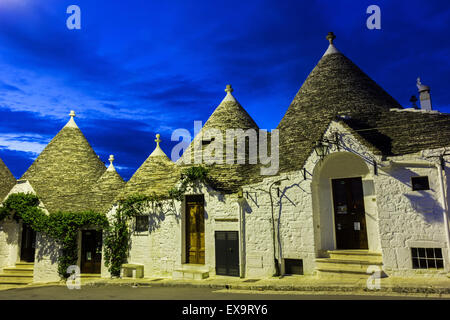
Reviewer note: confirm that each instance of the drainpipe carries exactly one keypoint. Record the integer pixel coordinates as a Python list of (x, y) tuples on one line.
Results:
[(440, 168), (242, 236)]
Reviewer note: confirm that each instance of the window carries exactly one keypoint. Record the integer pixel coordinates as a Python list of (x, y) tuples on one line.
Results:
[(420, 183), (142, 223), (293, 266), (427, 258)]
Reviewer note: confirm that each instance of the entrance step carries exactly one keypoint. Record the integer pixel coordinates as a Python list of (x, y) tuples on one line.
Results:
[(191, 272), (90, 276), (360, 255), (21, 274), (349, 263)]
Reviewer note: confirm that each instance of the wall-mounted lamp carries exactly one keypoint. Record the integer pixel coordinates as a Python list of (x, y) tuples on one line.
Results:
[(321, 149), (336, 140)]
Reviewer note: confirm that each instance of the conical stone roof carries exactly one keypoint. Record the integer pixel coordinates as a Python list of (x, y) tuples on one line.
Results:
[(157, 175), (228, 115), (7, 180), (107, 187), (336, 86), (64, 172)]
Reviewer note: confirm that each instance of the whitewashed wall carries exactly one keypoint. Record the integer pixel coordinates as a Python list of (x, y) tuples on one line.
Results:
[(47, 251), (9, 239), (46, 259), (161, 249), (10, 232), (397, 217), (409, 218)]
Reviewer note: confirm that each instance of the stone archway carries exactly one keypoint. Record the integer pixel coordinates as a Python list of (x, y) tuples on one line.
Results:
[(342, 165)]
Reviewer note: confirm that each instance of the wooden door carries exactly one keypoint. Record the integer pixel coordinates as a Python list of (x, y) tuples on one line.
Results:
[(227, 253), (91, 251), (28, 244), (195, 230), (349, 213)]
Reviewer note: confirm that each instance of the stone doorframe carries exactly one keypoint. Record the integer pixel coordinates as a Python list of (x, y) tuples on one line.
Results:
[(334, 166)]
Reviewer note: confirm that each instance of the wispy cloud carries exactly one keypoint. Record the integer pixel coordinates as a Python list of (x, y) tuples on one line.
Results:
[(30, 143)]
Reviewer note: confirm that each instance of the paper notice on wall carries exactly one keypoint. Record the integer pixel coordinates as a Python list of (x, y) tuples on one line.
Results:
[(357, 226)]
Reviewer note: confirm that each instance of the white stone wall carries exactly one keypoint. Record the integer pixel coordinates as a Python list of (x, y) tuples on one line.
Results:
[(45, 265), (299, 212), (46, 259), (397, 218), (9, 239), (161, 250), (409, 218)]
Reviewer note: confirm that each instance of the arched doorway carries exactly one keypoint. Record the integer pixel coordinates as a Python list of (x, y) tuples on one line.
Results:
[(344, 204)]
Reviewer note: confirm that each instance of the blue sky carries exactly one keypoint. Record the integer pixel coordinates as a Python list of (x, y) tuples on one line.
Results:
[(141, 67)]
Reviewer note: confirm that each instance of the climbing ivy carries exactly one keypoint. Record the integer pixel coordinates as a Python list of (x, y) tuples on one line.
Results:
[(188, 177), (61, 226), (64, 226), (117, 238)]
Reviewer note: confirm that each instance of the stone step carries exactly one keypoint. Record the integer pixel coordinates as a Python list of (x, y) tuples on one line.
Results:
[(25, 265), (90, 275), (360, 255), (7, 282), (14, 278), (351, 264), (340, 275), (14, 270), (191, 272), (191, 275), (345, 268)]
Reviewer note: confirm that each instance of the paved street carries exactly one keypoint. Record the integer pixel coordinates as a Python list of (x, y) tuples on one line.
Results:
[(111, 292)]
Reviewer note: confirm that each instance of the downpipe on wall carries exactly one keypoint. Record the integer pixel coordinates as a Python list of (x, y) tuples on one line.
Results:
[(441, 172)]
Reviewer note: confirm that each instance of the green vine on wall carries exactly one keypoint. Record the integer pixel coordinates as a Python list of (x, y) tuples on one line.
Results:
[(117, 239), (189, 176), (64, 226), (61, 226)]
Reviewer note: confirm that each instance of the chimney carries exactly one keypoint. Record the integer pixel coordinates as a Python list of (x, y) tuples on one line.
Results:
[(425, 97)]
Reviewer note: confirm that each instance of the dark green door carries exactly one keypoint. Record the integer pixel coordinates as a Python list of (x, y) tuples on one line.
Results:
[(227, 253)]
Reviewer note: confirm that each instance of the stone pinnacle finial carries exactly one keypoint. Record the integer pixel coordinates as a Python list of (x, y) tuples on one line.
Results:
[(228, 89), (111, 159), (158, 151), (71, 123), (158, 140), (331, 37)]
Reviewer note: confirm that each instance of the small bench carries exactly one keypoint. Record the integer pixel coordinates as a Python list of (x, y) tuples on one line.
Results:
[(132, 271)]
